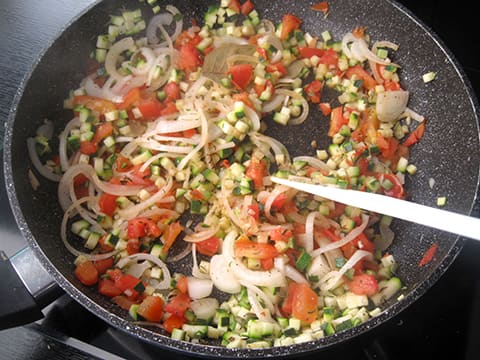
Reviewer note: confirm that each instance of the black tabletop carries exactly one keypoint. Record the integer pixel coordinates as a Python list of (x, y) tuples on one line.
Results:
[(28, 26)]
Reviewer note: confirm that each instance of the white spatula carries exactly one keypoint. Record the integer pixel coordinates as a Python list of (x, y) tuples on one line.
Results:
[(436, 218)]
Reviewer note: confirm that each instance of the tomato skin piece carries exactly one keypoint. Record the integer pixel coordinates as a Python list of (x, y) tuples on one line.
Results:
[(363, 284), (133, 246), (123, 164), (170, 234), (182, 284), (173, 322), (170, 108), (257, 170), (429, 254), (388, 146), (289, 24), (251, 249), (107, 203), (415, 135), (235, 6), (172, 90), (280, 234), (254, 211), (322, 6), (209, 246), (131, 99), (151, 308), (242, 75), (326, 108), (277, 67), (102, 131), (107, 288), (336, 120), (368, 82), (178, 304), (87, 273), (243, 97)]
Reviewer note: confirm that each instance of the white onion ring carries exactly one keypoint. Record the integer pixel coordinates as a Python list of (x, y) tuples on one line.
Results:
[(165, 283), (42, 169), (113, 54)]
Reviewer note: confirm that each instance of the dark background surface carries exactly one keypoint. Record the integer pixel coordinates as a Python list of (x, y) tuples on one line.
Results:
[(442, 323)]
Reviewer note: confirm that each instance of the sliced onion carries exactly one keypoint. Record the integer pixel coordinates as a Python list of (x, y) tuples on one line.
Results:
[(137, 269), (219, 41), (346, 239), (42, 169), (273, 104), (153, 25), (165, 283), (113, 54), (201, 235), (391, 104), (222, 275), (413, 115), (204, 308), (262, 313), (316, 163), (386, 238), (295, 275), (199, 288), (305, 107), (62, 148), (271, 198), (63, 234), (46, 129), (330, 280)]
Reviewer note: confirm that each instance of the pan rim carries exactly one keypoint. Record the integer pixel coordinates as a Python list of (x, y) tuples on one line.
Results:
[(207, 350)]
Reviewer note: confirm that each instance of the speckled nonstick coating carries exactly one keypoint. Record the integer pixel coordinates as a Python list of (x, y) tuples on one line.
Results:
[(449, 153)]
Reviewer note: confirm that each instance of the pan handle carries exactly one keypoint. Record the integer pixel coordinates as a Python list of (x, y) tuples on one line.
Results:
[(25, 288)]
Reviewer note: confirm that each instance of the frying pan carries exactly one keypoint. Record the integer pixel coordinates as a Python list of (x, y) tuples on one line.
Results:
[(449, 152)]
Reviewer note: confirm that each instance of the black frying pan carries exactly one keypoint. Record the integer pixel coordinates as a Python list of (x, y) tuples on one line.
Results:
[(449, 153)]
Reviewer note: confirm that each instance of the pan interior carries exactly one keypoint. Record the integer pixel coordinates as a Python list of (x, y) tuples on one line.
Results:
[(447, 158)]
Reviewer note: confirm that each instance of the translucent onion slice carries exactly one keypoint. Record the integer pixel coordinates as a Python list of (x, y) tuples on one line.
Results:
[(165, 283), (346, 239), (113, 54), (42, 169)]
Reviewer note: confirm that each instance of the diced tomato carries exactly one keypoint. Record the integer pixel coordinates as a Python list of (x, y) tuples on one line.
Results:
[(172, 90), (107, 203), (289, 24), (429, 254), (326, 108), (262, 52), (235, 6), (133, 246), (88, 147), (277, 67), (87, 273), (103, 265), (186, 37), (322, 6), (336, 120), (242, 75), (415, 135), (122, 164), (126, 282), (267, 264), (247, 7), (132, 98), (140, 227), (209, 246), (243, 97), (364, 243), (114, 274), (178, 304), (244, 247), (388, 146), (170, 234), (182, 284), (391, 85), (397, 190), (102, 131), (80, 184), (170, 108), (196, 194), (123, 302), (313, 90), (257, 170), (151, 308), (301, 302), (189, 58), (107, 287), (150, 109), (308, 52), (99, 105), (363, 284), (173, 322), (279, 202), (368, 82), (254, 211), (280, 234), (189, 133)]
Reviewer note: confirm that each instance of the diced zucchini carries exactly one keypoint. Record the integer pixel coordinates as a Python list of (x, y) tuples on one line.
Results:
[(79, 225), (195, 331)]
